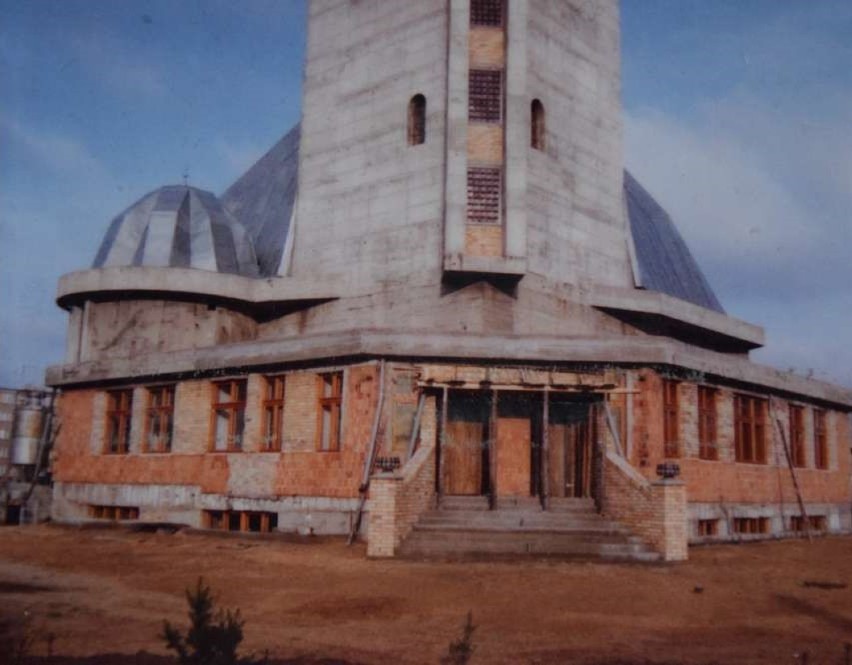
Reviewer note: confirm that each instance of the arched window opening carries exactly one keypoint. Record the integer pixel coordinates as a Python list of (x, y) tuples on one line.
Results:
[(538, 125), (417, 120)]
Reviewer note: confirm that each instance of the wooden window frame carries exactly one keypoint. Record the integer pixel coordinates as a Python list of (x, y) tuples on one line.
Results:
[(796, 426), (483, 16), (274, 395), (163, 413), (751, 525), (331, 404), (234, 407), (538, 126), (671, 419), (821, 460), (750, 424), (708, 448), (417, 120), (119, 421), (708, 528)]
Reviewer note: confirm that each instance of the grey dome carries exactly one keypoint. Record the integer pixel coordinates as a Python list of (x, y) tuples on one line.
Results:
[(178, 227)]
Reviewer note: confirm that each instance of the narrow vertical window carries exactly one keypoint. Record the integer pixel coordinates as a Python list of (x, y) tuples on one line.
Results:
[(119, 405), (273, 413), (670, 419), (330, 397), (159, 419), (750, 429), (537, 128), (417, 120), (486, 12), (707, 423), (820, 440), (229, 408), (797, 435)]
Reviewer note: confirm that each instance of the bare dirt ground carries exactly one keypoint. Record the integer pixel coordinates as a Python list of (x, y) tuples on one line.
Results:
[(108, 590)]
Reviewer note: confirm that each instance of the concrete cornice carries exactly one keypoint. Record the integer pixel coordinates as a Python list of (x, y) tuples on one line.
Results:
[(660, 304), (627, 350), (188, 282)]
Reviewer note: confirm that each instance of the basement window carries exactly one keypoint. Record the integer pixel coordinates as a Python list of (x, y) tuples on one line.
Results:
[(247, 521), (114, 513), (820, 440), (707, 448), (750, 525), (330, 388), (159, 420), (417, 120), (797, 435), (750, 429), (486, 12), (671, 442), (118, 416), (229, 415), (708, 528), (815, 522), (537, 127), (485, 96), (273, 413)]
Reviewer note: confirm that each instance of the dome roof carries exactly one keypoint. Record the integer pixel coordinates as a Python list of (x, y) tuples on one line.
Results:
[(178, 227)]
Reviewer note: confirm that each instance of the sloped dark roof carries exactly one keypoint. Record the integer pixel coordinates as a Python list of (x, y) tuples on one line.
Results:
[(665, 262), (179, 227), (263, 198)]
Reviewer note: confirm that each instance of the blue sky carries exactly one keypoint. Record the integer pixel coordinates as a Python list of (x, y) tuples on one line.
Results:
[(737, 117)]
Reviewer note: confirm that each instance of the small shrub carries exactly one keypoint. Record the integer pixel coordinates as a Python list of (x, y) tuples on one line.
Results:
[(461, 651), (213, 636)]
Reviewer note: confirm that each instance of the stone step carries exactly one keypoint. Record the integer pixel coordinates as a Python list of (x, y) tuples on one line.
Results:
[(454, 544), (588, 527)]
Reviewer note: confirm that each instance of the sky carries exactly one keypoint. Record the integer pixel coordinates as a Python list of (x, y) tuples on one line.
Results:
[(737, 117)]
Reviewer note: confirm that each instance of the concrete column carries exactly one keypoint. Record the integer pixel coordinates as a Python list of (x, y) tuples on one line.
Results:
[(669, 502), (517, 128)]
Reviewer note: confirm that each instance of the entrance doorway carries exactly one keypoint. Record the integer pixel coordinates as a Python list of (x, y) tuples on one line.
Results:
[(465, 449), (570, 448)]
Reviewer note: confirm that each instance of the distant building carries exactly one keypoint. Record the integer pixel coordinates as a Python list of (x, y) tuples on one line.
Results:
[(25, 446), (441, 302)]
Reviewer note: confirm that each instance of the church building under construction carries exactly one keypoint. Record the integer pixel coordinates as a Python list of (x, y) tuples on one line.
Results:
[(439, 315)]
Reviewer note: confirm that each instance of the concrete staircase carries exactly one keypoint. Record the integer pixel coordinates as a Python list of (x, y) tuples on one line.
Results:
[(464, 527)]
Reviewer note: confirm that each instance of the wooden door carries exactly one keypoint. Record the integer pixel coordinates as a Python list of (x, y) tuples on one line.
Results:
[(569, 449), (464, 447), (514, 444)]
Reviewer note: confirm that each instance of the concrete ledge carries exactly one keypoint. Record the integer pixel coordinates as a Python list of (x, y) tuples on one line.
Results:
[(661, 305), (636, 350), (77, 286), (486, 265)]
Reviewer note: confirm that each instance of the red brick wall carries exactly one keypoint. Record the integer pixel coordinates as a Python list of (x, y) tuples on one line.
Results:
[(300, 469), (725, 479)]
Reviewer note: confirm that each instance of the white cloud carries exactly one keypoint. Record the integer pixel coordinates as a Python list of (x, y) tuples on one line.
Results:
[(123, 70), (57, 152)]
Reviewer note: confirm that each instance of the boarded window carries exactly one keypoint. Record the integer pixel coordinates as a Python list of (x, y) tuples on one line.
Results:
[(484, 195), (485, 101), (707, 448), (812, 523), (114, 512), (273, 413), (820, 440), (537, 128), (750, 429), (486, 12), (119, 404), (159, 419), (229, 411), (330, 398), (241, 520), (417, 120), (671, 440), (797, 435)]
